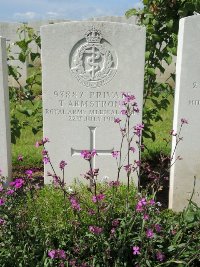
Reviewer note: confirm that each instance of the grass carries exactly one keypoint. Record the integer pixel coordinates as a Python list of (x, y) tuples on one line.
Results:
[(162, 129), (25, 145)]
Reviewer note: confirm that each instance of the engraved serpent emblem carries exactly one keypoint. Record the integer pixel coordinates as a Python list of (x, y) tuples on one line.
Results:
[(92, 61)]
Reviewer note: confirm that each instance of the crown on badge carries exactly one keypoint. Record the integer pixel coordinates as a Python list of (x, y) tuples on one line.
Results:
[(93, 36)]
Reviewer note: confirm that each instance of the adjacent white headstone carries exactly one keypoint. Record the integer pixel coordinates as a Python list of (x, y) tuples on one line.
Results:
[(9, 31), (5, 137), (86, 66), (187, 105)]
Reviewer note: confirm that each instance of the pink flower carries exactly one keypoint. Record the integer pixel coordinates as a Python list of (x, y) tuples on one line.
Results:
[(184, 121), (141, 203), (138, 129), (128, 98), (124, 112), (52, 254), (20, 158), (136, 250), (87, 154), (115, 222), (75, 204), (63, 164), (1, 188), (149, 233), (115, 154), (42, 142), (57, 254), (160, 256), (18, 183), (117, 120), (112, 231), (146, 217), (137, 162), (98, 198), (44, 152), (45, 140), (152, 202), (172, 132), (114, 183), (158, 227), (46, 160), (2, 221), (128, 167), (29, 173), (91, 212), (10, 192), (2, 201), (37, 144), (139, 207), (95, 230), (132, 149)]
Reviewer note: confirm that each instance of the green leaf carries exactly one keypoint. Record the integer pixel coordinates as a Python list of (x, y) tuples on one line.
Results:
[(147, 54), (189, 217), (151, 71), (168, 60)]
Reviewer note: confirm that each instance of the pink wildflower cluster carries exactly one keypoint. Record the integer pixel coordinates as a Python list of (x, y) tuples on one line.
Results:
[(141, 204), (160, 256), (117, 120), (91, 174), (2, 221), (138, 128), (114, 183), (10, 192), (87, 154), (2, 201), (74, 203), (95, 230), (184, 121), (62, 164), (115, 223), (130, 100), (20, 158), (18, 183), (149, 233), (57, 254), (29, 173), (115, 154), (42, 142), (98, 198)]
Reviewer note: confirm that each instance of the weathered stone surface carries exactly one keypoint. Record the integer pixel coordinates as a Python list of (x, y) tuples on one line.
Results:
[(9, 31), (130, 20), (187, 105), (5, 138), (83, 80), (35, 25)]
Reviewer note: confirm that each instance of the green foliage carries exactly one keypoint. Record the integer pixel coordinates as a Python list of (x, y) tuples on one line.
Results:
[(161, 20), (39, 220), (22, 94)]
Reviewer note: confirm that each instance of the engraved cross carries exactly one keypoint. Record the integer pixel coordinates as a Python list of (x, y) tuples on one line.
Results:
[(100, 152)]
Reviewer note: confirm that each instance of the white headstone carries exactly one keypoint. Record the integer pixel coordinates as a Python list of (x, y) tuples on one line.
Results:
[(9, 31), (79, 106), (187, 105), (122, 19), (35, 25), (5, 137)]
